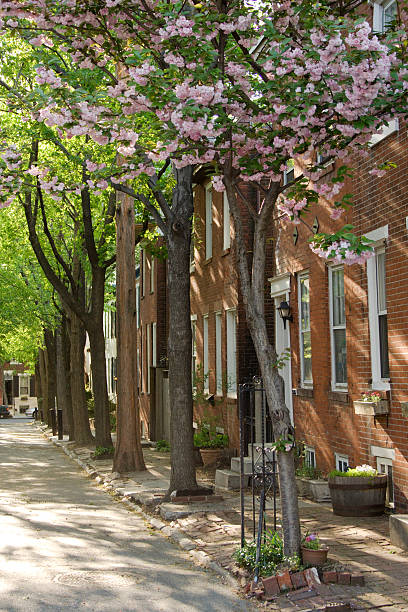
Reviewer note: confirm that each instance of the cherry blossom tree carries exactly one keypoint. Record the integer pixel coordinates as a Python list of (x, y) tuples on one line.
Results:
[(246, 87)]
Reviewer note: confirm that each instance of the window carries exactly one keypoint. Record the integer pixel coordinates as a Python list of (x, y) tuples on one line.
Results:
[(218, 352), (143, 272), (384, 466), (148, 353), (304, 329), (154, 345), (384, 13), (138, 305), (113, 374), (377, 311), (289, 174), (141, 361), (205, 355), (113, 323), (342, 462), (226, 223), (323, 159), (24, 385), (193, 348), (231, 353), (310, 456), (338, 328), (152, 274), (139, 373), (208, 222)]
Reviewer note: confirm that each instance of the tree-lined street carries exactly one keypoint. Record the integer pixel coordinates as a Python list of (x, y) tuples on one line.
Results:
[(66, 545)]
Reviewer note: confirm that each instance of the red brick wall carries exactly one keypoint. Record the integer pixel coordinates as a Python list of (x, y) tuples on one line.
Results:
[(324, 419), (215, 288)]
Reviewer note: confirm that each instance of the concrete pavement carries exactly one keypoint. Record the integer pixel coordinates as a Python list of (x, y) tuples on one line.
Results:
[(67, 545)]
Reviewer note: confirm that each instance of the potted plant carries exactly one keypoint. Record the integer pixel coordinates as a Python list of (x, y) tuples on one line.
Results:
[(310, 483), (358, 492), (313, 551), (210, 442), (371, 404)]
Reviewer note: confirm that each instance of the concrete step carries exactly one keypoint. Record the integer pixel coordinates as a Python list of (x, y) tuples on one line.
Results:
[(236, 465), (227, 479)]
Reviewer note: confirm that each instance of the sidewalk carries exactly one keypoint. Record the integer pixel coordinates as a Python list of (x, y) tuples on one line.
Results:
[(211, 532)]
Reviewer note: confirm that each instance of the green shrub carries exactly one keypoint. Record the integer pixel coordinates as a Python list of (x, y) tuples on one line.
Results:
[(271, 555), (163, 446), (207, 438), (308, 471), (105, 451)]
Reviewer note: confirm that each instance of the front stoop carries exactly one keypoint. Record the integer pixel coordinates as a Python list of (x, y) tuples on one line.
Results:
[(227, 479), (399, 530)]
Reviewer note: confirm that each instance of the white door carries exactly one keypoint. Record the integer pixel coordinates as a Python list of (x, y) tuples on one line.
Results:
[(282, 344)]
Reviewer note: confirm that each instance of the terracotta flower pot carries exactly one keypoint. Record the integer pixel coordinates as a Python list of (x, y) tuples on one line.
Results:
[(314, 557), (210, 456)]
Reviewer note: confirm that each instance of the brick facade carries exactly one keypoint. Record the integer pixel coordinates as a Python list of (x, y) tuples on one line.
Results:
[(325, 418)]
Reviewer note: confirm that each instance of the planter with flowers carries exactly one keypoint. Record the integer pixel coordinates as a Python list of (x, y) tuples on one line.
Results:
[(358, 492), (371, 404), (313, 551), (211, 444)]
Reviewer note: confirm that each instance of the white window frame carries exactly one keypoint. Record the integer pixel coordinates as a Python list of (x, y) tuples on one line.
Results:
[(206, 369), (379, 9), (340, 461), (379, 236), (154, 345), (139, 373), (193, 348), (208, 221), (310, 451), (149, 354), (218, 353), (335, 385), (303, 382), (21, 378), (231, 320), (141, 360), (287, 172), (143, 267), (151, 274), (387, 462), (226, 223), (391, 127), (138, 305)]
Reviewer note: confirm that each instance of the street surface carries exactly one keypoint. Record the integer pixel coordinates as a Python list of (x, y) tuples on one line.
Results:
[(67, 545)]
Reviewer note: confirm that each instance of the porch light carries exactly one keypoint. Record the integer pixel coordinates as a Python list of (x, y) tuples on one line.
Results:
[(285, 313)]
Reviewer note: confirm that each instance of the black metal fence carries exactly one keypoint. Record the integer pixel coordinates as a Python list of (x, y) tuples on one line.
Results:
[(256, 433)]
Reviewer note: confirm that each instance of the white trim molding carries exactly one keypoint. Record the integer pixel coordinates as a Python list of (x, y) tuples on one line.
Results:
[(384, 453), (280, 284)]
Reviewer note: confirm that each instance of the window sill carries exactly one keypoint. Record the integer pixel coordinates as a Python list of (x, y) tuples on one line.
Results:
[(232, 396), (208, 261), (226, 252)]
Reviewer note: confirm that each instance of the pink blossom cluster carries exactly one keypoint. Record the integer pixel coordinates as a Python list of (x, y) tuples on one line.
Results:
[(341, 252), (292, 208)]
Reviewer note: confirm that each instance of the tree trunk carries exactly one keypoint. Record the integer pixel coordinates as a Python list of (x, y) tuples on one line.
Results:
[(64, 400), (128, 453), (51, 355), (82, 430), (183, 474), (44, 387), (38, 384), (98, 361), (252, 284)]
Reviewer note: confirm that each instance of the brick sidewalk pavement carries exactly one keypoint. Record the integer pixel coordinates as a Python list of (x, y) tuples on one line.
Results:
[(359, 544)]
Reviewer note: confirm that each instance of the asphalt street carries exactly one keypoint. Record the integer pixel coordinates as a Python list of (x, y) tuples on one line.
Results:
[(65, 544)]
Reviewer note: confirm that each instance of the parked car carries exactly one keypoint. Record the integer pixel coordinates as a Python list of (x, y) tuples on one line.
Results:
[(30, 412), (5, 413)]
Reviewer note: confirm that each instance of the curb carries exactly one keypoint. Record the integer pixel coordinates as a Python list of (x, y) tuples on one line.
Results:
[(175, 535)]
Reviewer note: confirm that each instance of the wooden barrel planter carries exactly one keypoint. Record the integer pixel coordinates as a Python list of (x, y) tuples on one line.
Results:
[(358, 495)]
